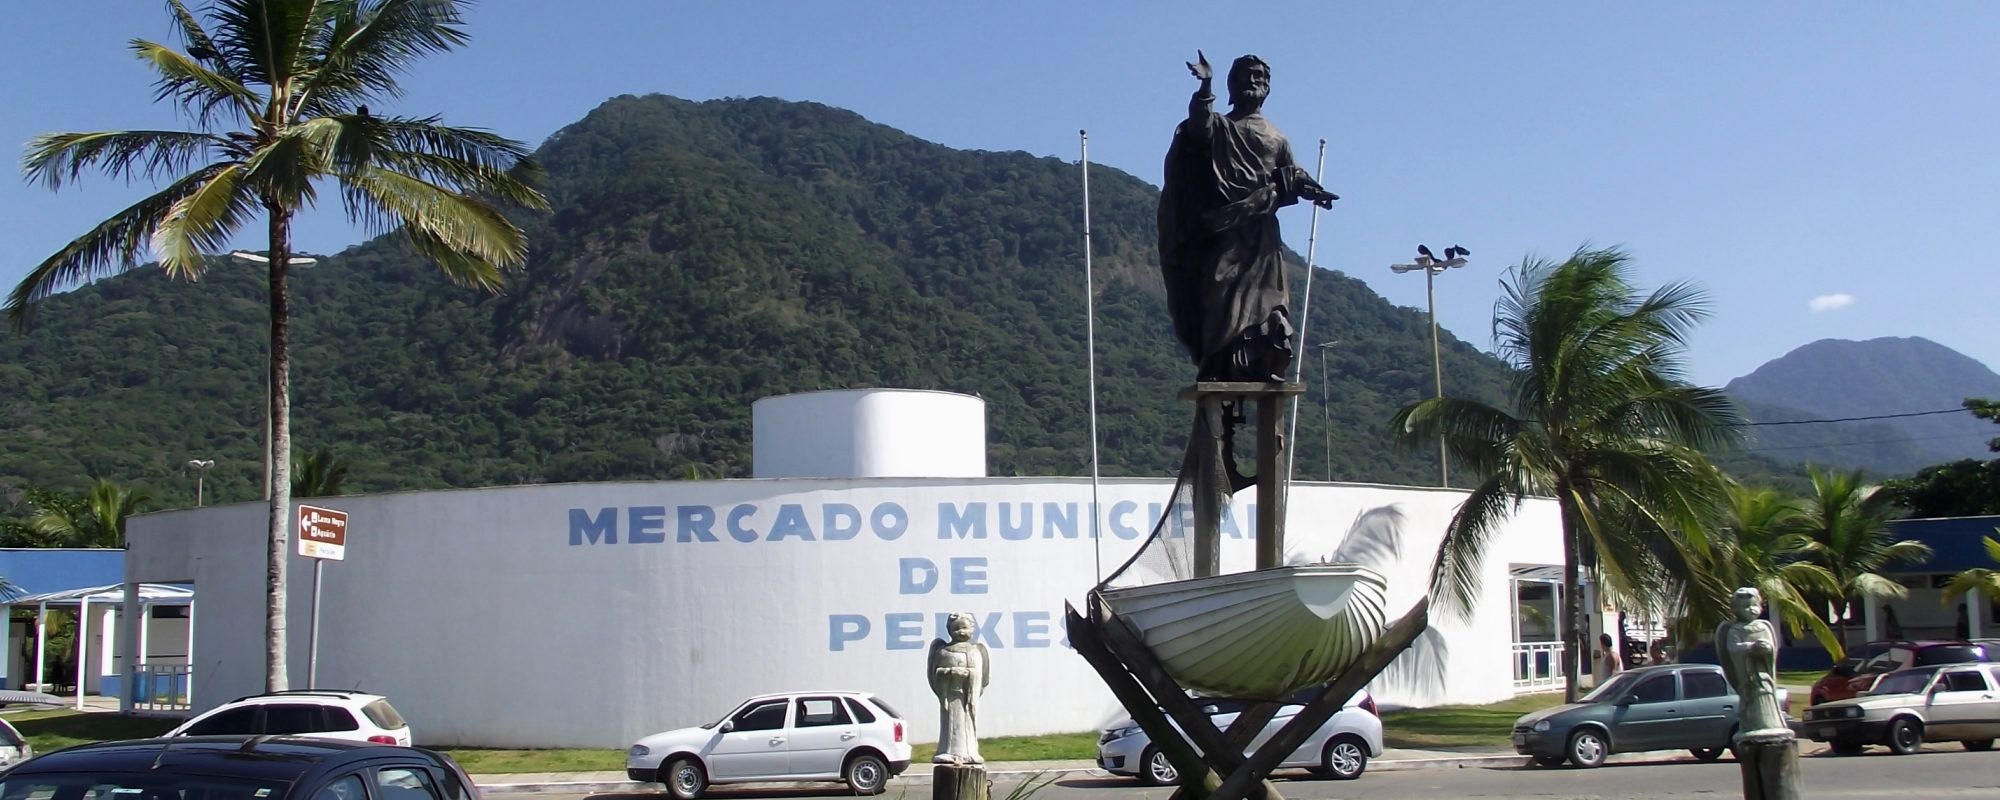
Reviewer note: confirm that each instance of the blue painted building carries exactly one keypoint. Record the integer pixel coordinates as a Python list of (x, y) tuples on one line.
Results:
[(33, 571)]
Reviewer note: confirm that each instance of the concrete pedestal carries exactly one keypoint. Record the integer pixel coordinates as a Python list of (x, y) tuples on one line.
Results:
[(1770, 765), (959, 782)]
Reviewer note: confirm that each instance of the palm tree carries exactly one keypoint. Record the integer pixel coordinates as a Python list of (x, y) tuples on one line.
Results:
[(1759, 546), (1603, 422), (1848, 525), (321, 475), (277, 91), (97, 519), (1986, 581)]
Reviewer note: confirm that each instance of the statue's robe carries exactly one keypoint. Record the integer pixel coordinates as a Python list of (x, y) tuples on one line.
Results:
[(1220, 254)]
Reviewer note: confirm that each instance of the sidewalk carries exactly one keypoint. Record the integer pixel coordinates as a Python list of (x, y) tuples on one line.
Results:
[(1392, 759)]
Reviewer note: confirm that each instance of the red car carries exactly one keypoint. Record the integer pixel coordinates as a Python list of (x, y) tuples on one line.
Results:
[(1869, 662)]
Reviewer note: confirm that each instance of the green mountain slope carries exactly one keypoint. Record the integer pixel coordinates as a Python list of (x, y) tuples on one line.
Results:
[(700, 255), (1835, 378)]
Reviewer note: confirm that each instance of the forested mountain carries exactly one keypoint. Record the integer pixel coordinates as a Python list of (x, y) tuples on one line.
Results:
[(1838, 378), (699, 256)]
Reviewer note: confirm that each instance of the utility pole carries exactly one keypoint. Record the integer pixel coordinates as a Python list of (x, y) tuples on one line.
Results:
[(1454, 256)]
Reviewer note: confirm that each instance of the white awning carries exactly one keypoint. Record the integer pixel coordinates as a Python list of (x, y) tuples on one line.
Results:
[(150, 594)]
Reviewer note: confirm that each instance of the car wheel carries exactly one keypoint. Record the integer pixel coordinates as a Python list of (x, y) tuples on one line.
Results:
[(1978, 745), (1156, 770), (1707, 753), (1905, 736), (1587, 748), (685, 779), (867, 774), (1346, 757), (1549, 761), (1845, 747)]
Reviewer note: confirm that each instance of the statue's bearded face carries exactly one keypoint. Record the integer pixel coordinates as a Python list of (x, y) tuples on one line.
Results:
[(1249, 81)]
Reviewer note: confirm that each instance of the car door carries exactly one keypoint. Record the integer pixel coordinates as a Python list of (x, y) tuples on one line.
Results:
[(1648, 715), (755, 745), (821, 732), (1957, 704), (1708, 709)]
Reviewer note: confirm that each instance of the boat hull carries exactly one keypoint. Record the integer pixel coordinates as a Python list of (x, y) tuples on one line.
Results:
[(1263, 634)]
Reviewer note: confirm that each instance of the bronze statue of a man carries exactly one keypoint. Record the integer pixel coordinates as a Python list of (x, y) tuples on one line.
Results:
[(1226, 177)]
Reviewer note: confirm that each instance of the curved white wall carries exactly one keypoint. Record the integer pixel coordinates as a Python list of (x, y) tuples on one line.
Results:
[(586, 615), (868, 433)]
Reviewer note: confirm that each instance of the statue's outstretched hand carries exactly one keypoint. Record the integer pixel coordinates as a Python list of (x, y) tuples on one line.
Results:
[(1199, 67)]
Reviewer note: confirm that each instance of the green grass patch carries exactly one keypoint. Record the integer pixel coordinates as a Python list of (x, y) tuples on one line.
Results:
[(1049, 747), (54, 730), (493, 761), (1447, 727)]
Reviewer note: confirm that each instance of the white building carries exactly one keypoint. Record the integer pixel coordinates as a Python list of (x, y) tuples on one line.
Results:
[(585, 615)]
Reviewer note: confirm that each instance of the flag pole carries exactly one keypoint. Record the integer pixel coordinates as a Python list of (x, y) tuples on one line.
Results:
[(1090, 341), (1305, 311)]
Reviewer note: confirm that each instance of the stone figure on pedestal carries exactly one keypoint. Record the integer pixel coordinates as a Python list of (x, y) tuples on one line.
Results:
[(1767, 752), (1749, 651), (959, 672)]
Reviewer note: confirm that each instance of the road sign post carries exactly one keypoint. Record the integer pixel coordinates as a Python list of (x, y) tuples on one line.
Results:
[(322, 538)]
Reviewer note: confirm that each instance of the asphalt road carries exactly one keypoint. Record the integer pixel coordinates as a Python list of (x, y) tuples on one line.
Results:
[(1943, 773)]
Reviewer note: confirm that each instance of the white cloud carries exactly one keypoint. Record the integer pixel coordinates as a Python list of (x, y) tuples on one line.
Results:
[(1830, 302)]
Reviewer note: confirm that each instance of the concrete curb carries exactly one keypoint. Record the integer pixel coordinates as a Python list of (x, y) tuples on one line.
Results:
[(923, 777)]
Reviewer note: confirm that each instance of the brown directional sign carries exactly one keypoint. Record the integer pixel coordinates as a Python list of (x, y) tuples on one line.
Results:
[(322, 533)]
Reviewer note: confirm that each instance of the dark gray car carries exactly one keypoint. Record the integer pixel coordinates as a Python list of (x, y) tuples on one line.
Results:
[(1666, 707)]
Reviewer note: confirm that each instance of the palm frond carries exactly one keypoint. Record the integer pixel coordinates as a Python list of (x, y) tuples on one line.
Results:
[(1461, 556), (369, 44), (55, 158), (113, 246), (463, 224), (464, 160), (269, 41), (1877, 586), (1985, 581), (1477, 436), (202, 222), (198, 89)]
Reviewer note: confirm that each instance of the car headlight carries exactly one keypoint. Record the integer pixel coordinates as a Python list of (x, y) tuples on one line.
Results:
[(639, 750), (1856, 711), (1542, 726), (1119, 733)]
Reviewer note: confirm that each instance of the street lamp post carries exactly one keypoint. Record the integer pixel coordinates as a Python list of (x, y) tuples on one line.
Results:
[(1454, 256), (200, 467), (248, 257), (1326, 406)]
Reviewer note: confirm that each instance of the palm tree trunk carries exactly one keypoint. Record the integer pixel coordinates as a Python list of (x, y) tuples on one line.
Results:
[(1576, 641), (279, 478)]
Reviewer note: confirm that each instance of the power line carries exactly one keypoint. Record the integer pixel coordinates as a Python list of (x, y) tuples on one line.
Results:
[(1847, 444), (1959, 410)]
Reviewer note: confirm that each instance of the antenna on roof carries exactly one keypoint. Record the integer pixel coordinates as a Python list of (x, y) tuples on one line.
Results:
[(164, 744)]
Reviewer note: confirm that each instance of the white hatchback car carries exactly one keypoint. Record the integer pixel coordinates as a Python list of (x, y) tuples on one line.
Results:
[(1339, 749), (14, 747), (852, 737), (322, 713)]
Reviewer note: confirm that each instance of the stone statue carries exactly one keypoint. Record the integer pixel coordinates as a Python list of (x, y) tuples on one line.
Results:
[(959, 670), (1749, 653), (1226, 177)]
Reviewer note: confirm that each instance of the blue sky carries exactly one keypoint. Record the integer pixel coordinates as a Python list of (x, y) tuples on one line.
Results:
[(1820, 168)]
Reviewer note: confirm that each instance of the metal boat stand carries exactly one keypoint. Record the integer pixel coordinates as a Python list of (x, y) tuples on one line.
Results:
[(1211, 762), (1212, 766)]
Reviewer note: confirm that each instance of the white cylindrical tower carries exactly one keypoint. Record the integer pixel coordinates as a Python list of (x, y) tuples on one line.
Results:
[(869, 433)]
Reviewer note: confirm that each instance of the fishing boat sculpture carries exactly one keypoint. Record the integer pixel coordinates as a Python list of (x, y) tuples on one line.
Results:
[(1257, 635)]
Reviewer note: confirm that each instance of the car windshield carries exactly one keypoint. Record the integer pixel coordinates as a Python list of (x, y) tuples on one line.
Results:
[(135, 786), (1613, 688), (8, 736), (1909, 681)]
